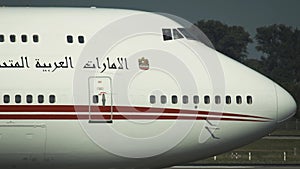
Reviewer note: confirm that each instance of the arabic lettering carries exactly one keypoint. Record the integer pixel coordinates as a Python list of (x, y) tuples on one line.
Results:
[(23, 63), (121, 63), (64, 64), (45, 66)]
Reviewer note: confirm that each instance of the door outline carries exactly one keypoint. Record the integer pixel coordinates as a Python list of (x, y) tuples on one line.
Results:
[(90, 95)]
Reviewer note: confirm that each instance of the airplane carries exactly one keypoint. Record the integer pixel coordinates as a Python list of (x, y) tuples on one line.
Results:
[(85, 88)]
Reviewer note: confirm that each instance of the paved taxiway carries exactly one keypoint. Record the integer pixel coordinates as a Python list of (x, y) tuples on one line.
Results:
[(236, 167)]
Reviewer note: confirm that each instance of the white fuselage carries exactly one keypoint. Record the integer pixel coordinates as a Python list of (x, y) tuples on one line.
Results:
[(81, 88)]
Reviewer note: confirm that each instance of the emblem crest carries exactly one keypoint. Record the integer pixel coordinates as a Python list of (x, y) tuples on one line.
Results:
[(143, 64)]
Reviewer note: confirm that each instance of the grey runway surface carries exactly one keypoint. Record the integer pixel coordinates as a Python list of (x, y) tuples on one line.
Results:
[(282, 137), (236, 167)]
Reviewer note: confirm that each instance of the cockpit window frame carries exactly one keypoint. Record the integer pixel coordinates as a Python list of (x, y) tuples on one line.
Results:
[(177, 34), (186, 33), (167, 34)]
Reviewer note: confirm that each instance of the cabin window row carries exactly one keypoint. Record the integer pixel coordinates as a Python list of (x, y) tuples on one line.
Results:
[(70, 39), (23, 38), (206, 99), (28, 98)]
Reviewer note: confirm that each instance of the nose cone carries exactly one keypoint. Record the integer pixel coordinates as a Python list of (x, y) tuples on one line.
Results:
[(286, 105)]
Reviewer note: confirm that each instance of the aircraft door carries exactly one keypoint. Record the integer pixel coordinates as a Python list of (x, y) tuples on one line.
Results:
[(100, 99)]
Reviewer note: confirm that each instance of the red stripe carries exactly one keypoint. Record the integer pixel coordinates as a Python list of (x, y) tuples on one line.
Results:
[(114, 117), (84, 108)]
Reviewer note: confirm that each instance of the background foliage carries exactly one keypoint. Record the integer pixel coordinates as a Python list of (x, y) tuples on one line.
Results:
[(278, 44)]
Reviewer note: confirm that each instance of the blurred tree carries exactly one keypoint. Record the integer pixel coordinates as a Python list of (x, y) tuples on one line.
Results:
[(230, 40), (255, 64), (280, 46)]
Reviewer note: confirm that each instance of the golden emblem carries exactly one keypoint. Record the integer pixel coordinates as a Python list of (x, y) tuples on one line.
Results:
[(144, 63)]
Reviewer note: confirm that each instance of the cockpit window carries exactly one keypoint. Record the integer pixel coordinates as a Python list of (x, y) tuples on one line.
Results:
[(167, 34), (177, 34), (186, 33)]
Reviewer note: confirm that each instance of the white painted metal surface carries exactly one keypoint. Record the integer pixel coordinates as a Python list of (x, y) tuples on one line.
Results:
[(141, 135)]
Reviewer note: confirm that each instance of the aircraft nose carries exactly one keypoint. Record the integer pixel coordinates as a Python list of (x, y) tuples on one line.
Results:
[(286, 105)]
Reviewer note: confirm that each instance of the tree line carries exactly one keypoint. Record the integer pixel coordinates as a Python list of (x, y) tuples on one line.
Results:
[(278, 45)]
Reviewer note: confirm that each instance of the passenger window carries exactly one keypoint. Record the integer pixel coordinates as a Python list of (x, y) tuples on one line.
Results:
[(228, 100), (18, 98), (177, 34), (12, 38), (6, 99), (95, 99), (185, 99), (152, 99), (196, 99), (163, 99), (29, 98), (238, 99), (80, 39), (249, 99), (52, 98), (174, 99), (35, 38), (70, 39), (1, 38), (206, 99), (24, 38), (40, 99), (167, 35), (217, 99)]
